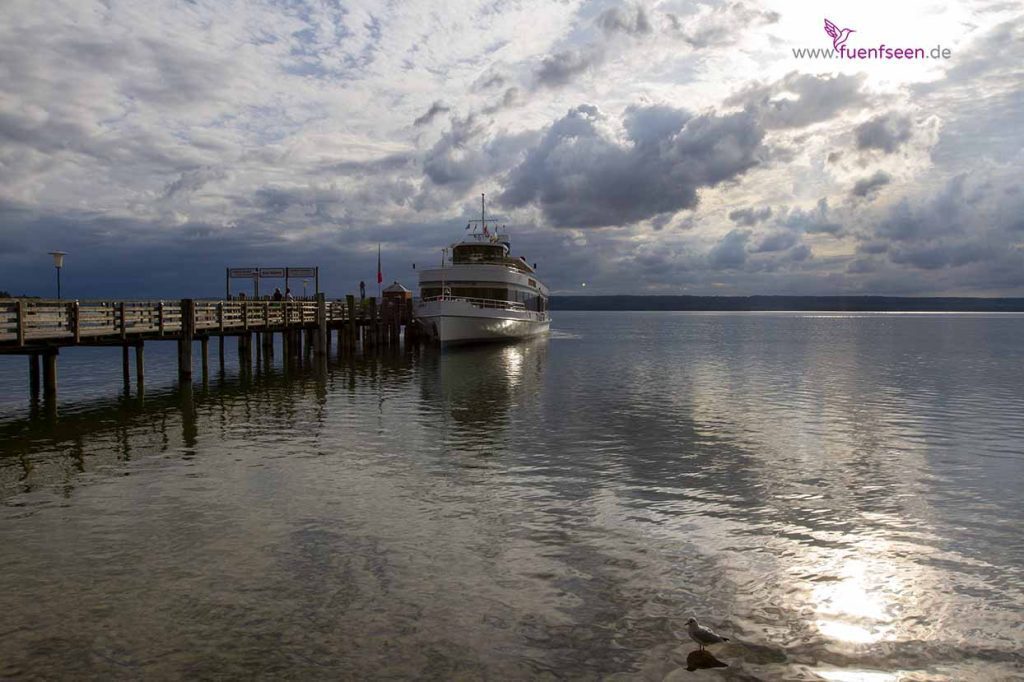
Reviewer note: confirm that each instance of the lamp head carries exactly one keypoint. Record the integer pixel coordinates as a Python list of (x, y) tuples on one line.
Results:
[(58, 258)]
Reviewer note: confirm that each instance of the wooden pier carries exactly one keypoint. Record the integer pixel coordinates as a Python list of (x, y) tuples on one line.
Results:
[(40, 328)]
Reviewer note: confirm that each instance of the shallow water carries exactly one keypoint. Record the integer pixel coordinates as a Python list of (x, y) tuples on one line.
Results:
[(839, 494)]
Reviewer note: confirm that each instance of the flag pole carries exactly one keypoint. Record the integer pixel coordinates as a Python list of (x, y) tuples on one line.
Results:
[(380, 276)]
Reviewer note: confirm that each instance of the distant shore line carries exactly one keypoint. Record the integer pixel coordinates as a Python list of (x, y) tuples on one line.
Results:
[(790, 303)]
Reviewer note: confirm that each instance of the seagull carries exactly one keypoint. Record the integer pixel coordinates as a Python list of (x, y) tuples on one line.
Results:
[(837, 34), (702, 635)]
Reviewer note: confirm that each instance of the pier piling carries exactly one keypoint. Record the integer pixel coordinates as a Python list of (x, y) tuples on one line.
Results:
[(188, 328), (204, 351), (140, 369), (125, 365), (33, 376), (50, 374)]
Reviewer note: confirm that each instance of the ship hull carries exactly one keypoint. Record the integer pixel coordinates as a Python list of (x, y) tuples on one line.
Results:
[(452, 322)]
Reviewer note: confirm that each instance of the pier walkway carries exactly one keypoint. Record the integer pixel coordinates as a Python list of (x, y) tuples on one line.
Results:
[(40, 328)]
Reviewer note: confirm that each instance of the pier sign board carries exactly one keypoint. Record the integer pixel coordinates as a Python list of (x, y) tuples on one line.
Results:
[(257, 274)]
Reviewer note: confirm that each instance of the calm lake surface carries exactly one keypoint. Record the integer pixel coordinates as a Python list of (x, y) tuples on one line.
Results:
[(839, 494)]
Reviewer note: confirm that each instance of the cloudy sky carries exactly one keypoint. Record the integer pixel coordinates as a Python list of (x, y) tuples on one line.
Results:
[(640, 147)]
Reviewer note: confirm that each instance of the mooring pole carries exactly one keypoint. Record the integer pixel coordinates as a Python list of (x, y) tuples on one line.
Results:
[(50, 374), (33, 376), (188, 327), (140, 369), (125, 365), (204, 348)]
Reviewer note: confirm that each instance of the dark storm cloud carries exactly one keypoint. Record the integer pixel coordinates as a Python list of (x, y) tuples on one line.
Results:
[(861, 266), (450, 160), (868, 185), (942, 254), (886, 132), (384, 164), (943, 214), (969, 226), (581, 177), (800, 99), (436, 108), (750, 216), (461, 157), (779, 240), (562, 67), (109, 256), (814, 221), (631, 21), (730, 252), (190, 181)]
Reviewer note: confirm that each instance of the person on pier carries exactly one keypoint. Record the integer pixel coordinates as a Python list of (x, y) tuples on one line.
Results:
[(277, 294)]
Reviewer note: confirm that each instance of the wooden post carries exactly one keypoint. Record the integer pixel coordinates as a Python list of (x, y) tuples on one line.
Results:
[(21, 322), (160, 317), (188, 326), (221, 344), (350, 302), (204, 347), (125, 365), (244, 353), (124, 325), (140, 368), (410, 328), (220, 317), (372, 337), (33, 376), (50, 374), (74, 311), (321, 325)]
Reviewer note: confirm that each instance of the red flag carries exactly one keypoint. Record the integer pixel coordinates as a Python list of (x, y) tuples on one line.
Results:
[(380, 275)]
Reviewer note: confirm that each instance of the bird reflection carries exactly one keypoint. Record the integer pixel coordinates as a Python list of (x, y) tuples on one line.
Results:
[(702, 659)]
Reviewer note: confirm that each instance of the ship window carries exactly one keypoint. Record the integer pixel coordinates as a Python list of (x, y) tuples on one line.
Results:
[(477, 253)]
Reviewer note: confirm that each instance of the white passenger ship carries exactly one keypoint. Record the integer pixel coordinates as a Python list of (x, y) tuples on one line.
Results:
[(481, 292)]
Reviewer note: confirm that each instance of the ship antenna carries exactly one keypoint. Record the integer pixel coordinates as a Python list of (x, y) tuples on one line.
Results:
[(483, 220)]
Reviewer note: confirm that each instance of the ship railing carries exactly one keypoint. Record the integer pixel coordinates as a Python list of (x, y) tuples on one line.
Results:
[(480, 302)]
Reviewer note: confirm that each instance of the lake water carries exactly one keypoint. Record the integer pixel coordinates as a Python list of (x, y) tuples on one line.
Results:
[(841, 495)]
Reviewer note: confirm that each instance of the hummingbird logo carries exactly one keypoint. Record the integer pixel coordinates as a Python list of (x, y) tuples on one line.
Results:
[(838, 35)]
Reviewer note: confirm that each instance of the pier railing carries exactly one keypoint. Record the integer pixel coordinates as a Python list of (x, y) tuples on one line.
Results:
[(40, 328), (30, 320)]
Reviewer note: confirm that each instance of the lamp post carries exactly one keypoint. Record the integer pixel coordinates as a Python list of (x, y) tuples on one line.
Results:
[(58, 263), (305, 283)]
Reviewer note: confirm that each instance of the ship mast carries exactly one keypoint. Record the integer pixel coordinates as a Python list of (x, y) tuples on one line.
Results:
[(483, 214)]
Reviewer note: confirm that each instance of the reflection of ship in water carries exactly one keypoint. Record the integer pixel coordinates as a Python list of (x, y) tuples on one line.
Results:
[(474, 388)]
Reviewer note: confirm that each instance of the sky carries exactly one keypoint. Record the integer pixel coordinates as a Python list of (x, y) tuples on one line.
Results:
[(663, 147)]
